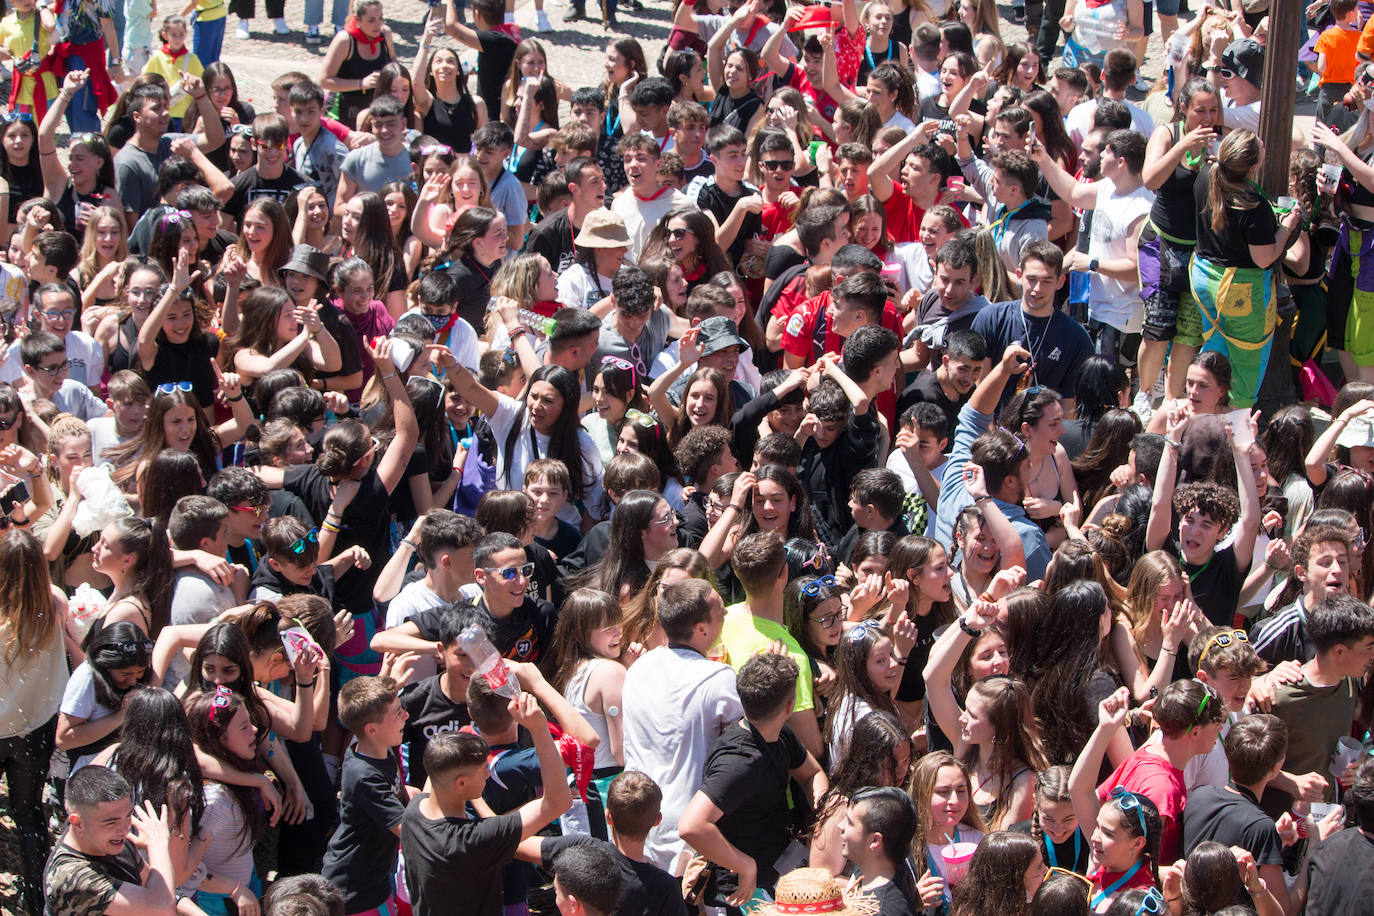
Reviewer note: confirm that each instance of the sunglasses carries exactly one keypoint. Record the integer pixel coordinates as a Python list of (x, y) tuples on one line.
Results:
[(9, 423), (86, 139), (678, 234), (443, 149), (1058, 871), (774, 165), (311, 537), (818, 560), (860, 631), (511, 573), (55, 370), (1221, 640), (266, 145), (256, 510), (12, 116), (169, 387), (813, 588), (175, 216), (1153, 904), (640, 418), (1225, 73), (221, 700), (245, 130), (1129, 801)]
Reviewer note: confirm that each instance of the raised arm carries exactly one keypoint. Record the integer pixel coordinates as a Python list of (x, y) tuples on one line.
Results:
[(1248, 525), (557, 798), (1111, 715), (1082, 196), (568, 718), (54, 175), (881, 173), (715, 547), (152, 326), (688, 353), (392, 465), (944, 658), (1012, 551), (1321, 449), (1162, 500), (434, 27)]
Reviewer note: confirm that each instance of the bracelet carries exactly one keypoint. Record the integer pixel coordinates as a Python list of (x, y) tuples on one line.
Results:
[(239, 398), (409, 543), (1163, 650), (1173, 443), (963, 625), (987, 596), (516, 332), (332, 529), (385, 377), (735, 507), (309, 683), (203, 95), (899, 659), (336, 519)]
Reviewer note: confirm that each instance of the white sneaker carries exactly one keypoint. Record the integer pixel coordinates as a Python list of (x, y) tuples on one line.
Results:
[(1142, 407), (312, 35), (242, 31), (1142, 84), (541, 21), (281, 27)]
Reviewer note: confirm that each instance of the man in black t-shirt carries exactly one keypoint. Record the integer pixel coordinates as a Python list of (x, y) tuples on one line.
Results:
[(438, 705), (271, 176), (553, 237), (633, 803), (497, 47), (524, 624), (1206, 512), (949, 384), (738, 819)]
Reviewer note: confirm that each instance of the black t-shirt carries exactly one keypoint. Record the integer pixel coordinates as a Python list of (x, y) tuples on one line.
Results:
[(1231, 246), (892, 901), (474, 290), (431, 714), (1216, 585), (737, 112), (1231, 818), (779, 259), (926, 389), (498, 50), (249, 186), (913, 686), (453, 865), (361, 856), (187, 362), (341, 329), (713, 199), (746, 777), (217, 246), (563, 542), (366, 523), (1341, 875), (553, 238), (526, 635), (644, 887)]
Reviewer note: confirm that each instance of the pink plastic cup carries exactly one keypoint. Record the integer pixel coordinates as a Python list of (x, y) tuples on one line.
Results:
[(956, 857)]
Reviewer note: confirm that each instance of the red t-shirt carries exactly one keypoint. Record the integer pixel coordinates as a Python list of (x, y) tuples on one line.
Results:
[(798, 338), (904, 217), (1148, 774), (799, 81)]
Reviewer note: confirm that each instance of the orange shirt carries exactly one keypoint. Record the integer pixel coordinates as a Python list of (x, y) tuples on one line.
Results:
[(1339, 45)]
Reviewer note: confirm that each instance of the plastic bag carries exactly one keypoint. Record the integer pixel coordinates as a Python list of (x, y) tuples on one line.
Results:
[(101, 501)]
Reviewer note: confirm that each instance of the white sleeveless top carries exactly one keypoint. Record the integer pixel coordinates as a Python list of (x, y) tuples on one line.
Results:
[(573, 693), (31, 686)]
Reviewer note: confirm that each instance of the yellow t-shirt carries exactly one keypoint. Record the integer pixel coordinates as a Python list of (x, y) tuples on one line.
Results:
[(160, 62), (210, 10), (17, 36), (745, 635)]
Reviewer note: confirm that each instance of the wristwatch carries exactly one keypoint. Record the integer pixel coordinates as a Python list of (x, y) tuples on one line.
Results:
[(1092, 265)]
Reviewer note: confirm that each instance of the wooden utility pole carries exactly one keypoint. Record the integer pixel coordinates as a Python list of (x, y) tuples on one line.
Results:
[(1278, 94)]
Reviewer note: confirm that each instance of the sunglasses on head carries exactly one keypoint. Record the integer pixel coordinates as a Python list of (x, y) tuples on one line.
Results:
[(133, 648), (813, 588), (640, 418), (860, 631), (86, 139), (311, 537), (510, 573), (1221, 641), (256, 510), (12, 116), (245, 130), (1129, 801), (8, 423), (221, 700), (1058, 871), (443, 149), (1152, 905), (268, 145), (169, 387)]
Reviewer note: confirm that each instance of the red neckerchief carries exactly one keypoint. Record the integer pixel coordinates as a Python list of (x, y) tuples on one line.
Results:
[(362, 37), (696, 273), (655, 196), (174, 55), (546, 307)]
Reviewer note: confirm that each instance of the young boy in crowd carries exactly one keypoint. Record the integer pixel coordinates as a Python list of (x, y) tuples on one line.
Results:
[(738, 817), (649, 100), (361, 857), (1318, 710), (840, 436), (950, 383), (369, 168), (733, 204), (54, 306), (645, 202), (451, 856), (1190, 715), (777, 448), (1333, 879), (127, 396), (585, 882), (876, 499), (1336, 53), (704, 457), (293, 562), (689, 123), (316, 154), (919, 461), (874, 835), (438, 704), (547, 483), (492, 143), (1230, 814), (249, 503), (1206, 512), (633, 803), (756, 625), (670, 172), (1225, 661), (1321, 562), (777, 410), (44, 357), (202, 523)]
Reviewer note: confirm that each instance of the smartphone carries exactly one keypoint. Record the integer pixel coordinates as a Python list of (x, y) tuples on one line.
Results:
[(16, 494), (1031, 135)]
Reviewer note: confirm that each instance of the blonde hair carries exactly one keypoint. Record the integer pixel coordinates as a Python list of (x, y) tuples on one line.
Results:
[(64, 426), (87, 265), (1147, 578), (1227, 184), (517, 279)]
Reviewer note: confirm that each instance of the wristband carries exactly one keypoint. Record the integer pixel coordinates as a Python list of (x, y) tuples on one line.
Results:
[(332, 529), (239, 398), (963, 625), (1165, 650), (735, 507), (385, 377), (1173, 443), (1093, 264), (309, 683), (409, 543), (899, 659)]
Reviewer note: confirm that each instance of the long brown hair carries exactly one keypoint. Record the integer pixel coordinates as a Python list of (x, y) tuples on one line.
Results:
[(641, 614), (1015, 741), (208, 714), (279, 249), (1227, 184), (1147, 578), (923, 786), (583, 612), (26, 605)]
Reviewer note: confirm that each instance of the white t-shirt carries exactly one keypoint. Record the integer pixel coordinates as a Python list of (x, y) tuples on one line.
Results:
[(1079, 123), (462, 340), (641, 216), (1113, 301), (676, 704), (1236, 116), (78, 701), (85, 355), (104, 436), (915, 264), (78, 400), (412, 599), (528, 445), (576, 289), (746, 373), (900, 120)]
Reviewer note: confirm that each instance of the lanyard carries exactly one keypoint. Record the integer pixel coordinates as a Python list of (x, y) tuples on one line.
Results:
[(1115, 886), (1077, 848), (887, 55), (999, 225), (1192, 577)]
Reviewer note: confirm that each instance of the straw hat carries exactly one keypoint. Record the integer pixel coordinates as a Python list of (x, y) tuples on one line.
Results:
[(815, 890), (603, 229)]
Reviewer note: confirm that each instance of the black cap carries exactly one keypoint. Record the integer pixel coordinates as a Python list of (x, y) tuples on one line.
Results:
[(1246, 57), (717, 333), (308, 260)]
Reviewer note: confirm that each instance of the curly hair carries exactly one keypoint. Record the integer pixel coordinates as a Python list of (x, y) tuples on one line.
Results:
[(1218, 503)]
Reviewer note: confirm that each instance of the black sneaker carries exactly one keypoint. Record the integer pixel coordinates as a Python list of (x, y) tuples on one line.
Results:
[(1018, 15), (576, 16)]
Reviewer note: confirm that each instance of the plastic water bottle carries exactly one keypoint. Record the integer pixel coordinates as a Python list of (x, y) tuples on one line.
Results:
[(536, 322), (489, 663)]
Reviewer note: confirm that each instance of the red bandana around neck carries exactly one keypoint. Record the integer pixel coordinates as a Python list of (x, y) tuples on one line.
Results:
[(362, 38), (174, 55)]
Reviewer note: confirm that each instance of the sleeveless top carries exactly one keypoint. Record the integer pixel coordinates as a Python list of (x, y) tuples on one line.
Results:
[(125, 346), (1174, 213), (67, 203), (574, 692), (26, 181), (452, 124), (356, 67)]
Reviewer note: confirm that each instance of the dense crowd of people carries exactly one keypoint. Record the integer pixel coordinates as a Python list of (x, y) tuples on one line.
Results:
[(851, 464)]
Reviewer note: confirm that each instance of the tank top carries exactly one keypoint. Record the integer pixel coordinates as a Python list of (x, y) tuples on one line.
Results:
[(452, 124), (66, 204), (1173, 212), (574, 692), (126, 346), (356, 67)]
